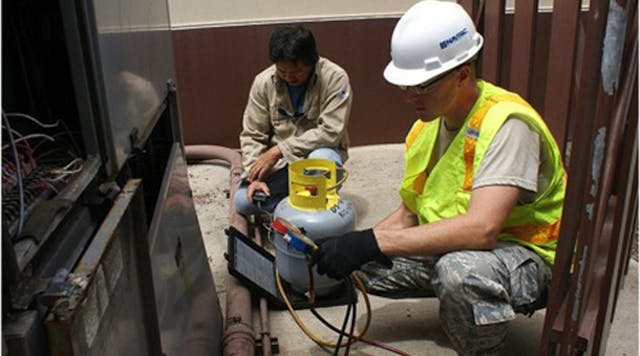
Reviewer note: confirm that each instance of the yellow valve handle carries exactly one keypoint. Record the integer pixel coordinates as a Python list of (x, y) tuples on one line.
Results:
[(316, 191)]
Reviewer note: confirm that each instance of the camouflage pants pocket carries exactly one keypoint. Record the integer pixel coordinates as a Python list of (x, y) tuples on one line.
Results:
[(507, 280), (529, 280), (480, 291), (473, 288)]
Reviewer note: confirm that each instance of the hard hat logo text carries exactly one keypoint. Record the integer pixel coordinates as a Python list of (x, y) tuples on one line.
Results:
[(449, 41)]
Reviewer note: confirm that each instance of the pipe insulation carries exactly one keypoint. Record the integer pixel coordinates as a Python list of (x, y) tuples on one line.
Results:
[(238, 337)]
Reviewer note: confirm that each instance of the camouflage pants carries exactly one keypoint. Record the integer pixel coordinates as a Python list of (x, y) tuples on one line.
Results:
[(479, 291)]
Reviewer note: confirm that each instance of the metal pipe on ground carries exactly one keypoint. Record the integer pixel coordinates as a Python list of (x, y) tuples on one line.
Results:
[(238, 337), (264, 310)]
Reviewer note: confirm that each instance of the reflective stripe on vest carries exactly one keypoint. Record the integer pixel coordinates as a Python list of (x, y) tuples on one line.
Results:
[(473, 131), (413, 134), (535, 234)]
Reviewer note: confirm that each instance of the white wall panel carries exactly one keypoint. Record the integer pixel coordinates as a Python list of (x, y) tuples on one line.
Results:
[(205, 13), (208, 13)]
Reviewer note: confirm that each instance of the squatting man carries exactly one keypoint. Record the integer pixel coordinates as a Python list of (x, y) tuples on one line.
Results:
[(482, 190)]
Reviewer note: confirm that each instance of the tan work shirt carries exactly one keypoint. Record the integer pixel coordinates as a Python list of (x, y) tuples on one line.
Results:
[(268, 118)]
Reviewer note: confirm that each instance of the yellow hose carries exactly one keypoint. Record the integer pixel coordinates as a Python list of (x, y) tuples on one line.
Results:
[(306, 330)]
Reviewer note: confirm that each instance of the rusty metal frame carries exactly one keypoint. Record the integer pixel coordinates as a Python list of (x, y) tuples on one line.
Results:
[(578, 320), (523, 44), (598, 131), (492, 30), (473, 8), (562, 49), (587, 146)]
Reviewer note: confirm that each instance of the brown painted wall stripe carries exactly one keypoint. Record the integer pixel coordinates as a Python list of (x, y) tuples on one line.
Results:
[(215, 67)]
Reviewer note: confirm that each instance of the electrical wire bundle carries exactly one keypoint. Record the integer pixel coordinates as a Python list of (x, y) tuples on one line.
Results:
[(32, 168), (296, 239)]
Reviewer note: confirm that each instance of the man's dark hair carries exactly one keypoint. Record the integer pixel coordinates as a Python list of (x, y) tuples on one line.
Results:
[(293, 43)]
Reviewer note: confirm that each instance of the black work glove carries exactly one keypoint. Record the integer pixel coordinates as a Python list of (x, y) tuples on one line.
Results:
[(338, 256)]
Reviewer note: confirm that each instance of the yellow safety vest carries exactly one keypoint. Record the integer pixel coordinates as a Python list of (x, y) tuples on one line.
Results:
[(445, 191)]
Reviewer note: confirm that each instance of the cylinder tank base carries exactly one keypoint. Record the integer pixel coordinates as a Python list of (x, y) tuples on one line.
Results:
[(344, 293)]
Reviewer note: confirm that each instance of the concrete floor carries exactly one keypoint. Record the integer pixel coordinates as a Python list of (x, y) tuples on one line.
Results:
[(410, 325)]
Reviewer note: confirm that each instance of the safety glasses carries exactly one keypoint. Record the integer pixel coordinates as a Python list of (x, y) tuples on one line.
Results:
[(427, 86)]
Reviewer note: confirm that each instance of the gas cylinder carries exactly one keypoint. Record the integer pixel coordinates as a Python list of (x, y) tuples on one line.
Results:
[(314, 207)]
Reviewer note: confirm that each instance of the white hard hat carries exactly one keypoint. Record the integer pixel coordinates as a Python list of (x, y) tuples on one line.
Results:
[(431, 38)]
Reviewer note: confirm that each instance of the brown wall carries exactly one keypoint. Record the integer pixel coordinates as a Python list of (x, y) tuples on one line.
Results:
[(215, 67)]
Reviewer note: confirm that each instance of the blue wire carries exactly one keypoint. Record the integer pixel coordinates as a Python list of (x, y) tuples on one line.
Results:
[(18, 172)]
